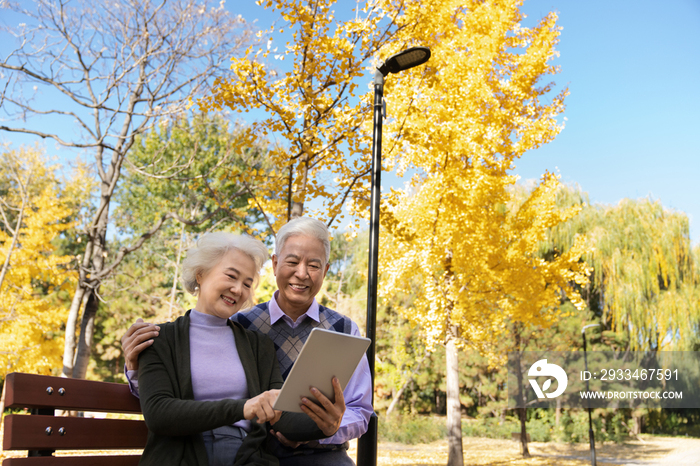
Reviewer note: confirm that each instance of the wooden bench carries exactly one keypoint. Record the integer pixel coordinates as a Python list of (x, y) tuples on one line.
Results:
[(42, 432)]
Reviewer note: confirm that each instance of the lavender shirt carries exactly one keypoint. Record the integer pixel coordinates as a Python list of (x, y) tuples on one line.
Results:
[(217, 372)]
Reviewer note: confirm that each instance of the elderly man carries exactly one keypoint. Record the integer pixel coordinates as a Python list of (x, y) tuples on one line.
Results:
[(300, 264)]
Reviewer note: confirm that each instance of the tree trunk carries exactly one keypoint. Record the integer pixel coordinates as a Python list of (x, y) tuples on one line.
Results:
[(173, 291), (454, 409), (557, 413), (87, 331), (75, 362), (405, 385), (397, 397), (2, 400), (92, 303), (637, 424), (69, 345), (296, 209), (340, 280), (522, 413)]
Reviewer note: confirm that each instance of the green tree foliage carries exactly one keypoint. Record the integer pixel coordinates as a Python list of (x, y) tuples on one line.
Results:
[(188, 166), (345, 286)]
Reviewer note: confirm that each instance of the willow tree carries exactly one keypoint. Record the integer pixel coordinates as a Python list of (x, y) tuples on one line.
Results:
[(645, 283), (311, 107), (462, 122)]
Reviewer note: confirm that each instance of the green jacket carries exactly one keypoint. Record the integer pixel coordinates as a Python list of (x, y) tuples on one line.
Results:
[(175, 421)]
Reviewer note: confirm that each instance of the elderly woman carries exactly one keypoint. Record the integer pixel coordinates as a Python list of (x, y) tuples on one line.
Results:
[(207, 385)]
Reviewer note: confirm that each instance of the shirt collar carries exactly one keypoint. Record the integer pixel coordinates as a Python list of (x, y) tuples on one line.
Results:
[(276, 313)]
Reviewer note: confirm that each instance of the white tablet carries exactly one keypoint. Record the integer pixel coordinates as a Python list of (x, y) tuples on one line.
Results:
[(325, 354)]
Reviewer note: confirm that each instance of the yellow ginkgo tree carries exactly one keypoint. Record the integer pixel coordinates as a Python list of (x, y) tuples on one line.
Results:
[(33, 215), (461, 122), (307, 91)]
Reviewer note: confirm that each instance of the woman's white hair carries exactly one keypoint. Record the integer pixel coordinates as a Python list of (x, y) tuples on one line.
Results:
[(209, 250), (304, 226)]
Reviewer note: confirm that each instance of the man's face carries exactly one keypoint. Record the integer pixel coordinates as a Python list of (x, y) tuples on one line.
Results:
[(299, 270)]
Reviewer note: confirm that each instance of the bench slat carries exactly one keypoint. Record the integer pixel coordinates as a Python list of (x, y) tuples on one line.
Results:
[(29, 390), (74, 461), (28, 432)]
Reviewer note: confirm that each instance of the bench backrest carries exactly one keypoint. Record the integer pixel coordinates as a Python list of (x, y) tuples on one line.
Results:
[(42, 433)]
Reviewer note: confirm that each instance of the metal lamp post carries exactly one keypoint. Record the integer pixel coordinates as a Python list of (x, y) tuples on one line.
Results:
[(591, 435), (414, 56)]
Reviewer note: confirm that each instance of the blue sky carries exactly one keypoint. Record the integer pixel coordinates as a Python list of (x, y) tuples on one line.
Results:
[(632, 68), (632, 127)]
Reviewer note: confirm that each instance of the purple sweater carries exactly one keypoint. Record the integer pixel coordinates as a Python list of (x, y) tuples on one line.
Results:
[(217, 372)]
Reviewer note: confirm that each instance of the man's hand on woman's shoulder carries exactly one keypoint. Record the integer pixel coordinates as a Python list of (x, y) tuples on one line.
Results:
[(139, 337)]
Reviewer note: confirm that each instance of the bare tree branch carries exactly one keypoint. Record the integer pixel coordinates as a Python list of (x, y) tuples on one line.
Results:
[(99, 276)]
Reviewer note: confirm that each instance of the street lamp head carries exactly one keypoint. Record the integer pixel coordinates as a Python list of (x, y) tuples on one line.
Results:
[(583, 330), (404, 60)]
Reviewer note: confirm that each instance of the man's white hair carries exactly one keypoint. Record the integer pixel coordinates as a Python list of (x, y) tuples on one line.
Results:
[(304, 226)]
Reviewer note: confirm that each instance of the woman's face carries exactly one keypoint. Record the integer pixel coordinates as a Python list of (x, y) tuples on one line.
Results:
[(227, 286)]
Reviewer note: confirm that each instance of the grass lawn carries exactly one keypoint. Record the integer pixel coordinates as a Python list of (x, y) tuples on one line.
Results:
[(676, 451), (477, 451)]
